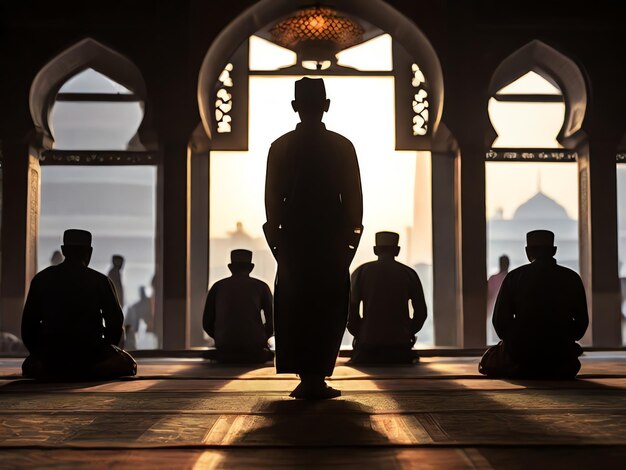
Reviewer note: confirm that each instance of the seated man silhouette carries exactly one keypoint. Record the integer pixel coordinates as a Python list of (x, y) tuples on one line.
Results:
[(540, 313), (232, 314), (386, 333), (72, 321)]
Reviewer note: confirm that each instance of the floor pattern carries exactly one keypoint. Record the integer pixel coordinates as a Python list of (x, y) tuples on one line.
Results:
[(437, 414)]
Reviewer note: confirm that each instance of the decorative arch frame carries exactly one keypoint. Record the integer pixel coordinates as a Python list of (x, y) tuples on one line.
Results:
[(555, 67), (87, 53), (376, 12)]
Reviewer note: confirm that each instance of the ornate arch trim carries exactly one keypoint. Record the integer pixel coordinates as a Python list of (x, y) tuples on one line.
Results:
[(555, 67), (377, 12)]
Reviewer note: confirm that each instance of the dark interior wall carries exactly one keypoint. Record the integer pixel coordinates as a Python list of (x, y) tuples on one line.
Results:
[(167, 40)]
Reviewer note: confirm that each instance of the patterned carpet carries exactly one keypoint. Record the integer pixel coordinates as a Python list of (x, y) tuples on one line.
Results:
[(437, 414)]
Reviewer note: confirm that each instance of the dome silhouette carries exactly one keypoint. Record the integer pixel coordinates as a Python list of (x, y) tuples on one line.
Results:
[(540, 206)]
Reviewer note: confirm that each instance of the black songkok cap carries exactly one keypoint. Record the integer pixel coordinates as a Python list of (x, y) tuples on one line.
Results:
[(241, 256), (540, 238), (387, 239), (76, 237), (310, 89)]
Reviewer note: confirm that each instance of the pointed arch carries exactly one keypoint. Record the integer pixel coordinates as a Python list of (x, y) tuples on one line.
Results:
[(376, 12), (87, 53), (555, 67)]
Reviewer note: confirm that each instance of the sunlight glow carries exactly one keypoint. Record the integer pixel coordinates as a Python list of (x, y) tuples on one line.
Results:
[(265, 55), (371, 55), (527, 124), (387, 175), (530, 84)]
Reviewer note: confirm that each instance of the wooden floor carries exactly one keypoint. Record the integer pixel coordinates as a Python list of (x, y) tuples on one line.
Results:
[(438, 414)]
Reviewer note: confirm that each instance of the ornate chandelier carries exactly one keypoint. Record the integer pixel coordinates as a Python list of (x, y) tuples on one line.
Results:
[(317, 34)]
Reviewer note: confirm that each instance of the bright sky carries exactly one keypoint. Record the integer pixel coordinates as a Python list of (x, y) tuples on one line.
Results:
[(528, 125), (362, 109)]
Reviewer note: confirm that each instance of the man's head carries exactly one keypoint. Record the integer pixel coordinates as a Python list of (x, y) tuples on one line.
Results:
[(387, 244), (118, 261), (504, 263), (77, 246), (241, 262), (540, 244), (311, 102)]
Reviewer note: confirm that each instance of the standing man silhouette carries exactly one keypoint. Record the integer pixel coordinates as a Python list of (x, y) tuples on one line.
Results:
[(115, 274), (314, 209)]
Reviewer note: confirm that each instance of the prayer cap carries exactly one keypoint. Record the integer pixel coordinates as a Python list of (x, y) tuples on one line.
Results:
[(540, 238), (310, 89), (241, 256), (387, 239), (76, 237)]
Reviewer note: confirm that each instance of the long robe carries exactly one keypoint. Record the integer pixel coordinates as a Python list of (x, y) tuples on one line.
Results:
[(314, 204)]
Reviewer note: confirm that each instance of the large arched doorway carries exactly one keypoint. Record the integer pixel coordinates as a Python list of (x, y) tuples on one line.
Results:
[(389, 105), (537, 105), (93, 166)]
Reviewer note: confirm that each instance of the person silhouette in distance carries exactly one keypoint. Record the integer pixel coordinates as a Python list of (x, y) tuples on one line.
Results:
[(314, 209), (115, 274)]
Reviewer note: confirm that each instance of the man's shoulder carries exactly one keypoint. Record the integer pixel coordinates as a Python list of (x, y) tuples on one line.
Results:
[(339, 139), (364, 267), (95, 275), (283, 140), (259, 283), (567, 272)]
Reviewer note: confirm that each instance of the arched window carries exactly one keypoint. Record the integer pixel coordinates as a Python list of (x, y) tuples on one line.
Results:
[(93, 112), (96, 174), (382, 99), (531, 169)]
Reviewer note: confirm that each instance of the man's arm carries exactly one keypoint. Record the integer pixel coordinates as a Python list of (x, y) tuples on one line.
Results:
[(581, 316), (31, 317), (504, 310), (208, 317), (268, 311), (274, 196), (112, 314), (418, 302), (354, 317), (352, 195)]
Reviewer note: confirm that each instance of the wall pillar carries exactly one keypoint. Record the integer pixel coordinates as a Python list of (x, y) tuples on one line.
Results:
[(446, 309), (20, 219), (199, 233), (598, 242), (175, 244), (471, 243)]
